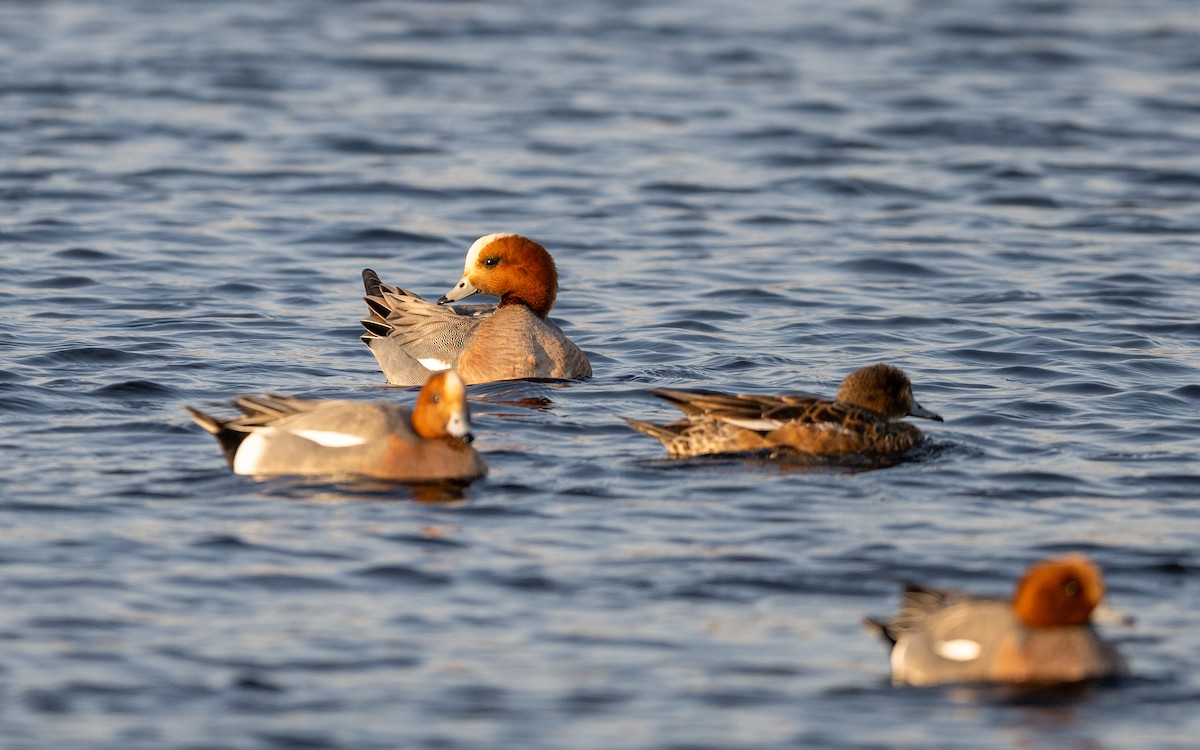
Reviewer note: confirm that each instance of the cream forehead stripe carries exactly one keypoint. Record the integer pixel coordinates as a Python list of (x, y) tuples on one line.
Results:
[(479, 245), (453, 386)]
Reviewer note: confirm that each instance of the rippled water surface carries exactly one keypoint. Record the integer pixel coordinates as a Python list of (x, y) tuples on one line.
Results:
[(1000, 197)]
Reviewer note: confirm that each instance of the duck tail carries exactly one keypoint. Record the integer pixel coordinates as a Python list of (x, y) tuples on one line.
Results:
[(229, 439), (371, 282), (661, 433), (881, 629), (376, 324), (211, 424)]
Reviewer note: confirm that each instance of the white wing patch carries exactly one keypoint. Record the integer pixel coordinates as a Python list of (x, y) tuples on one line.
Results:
[(754, 424), (762, 424), (432, 363), (328, 439), (959, 649), (828, 426)]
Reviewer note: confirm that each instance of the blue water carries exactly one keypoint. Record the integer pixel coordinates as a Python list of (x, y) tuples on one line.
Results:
[(999, 197)]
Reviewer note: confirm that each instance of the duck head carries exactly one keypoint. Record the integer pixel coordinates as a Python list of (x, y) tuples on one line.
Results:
[(885, 390), (514, 268), (441, 409), (1057, 592)]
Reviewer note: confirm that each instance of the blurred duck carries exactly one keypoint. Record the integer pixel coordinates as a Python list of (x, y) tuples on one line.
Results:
[(862, 419), (1042, 636), (279, 435), (413, 338)]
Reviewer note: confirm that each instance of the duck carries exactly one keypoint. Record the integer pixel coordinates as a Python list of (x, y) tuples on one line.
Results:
[(284, 435), (861, 420), (413, 338), (1043, 635)]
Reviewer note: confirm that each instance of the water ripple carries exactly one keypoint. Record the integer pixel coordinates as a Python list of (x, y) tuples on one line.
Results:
[(761, 198)]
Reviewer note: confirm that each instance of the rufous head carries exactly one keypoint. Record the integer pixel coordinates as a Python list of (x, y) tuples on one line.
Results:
[(441, 409), (514, 268), (885, 390), (1059, 591)]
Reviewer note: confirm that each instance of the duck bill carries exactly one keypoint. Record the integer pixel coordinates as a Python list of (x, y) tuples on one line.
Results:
[(1104, 614), (463, 289), (916, 410)]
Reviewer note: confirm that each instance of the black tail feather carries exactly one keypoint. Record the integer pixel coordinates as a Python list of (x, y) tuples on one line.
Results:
[(229, 439), (371, 282)]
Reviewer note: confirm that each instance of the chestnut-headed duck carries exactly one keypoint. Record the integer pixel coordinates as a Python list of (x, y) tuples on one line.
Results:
[(413, 338), (862, 420), (1042, 636), (278, 435)]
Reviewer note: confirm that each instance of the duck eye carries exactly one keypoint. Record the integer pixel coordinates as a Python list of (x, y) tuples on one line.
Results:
[(1071, 588), (491, 262), (437, 398)]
